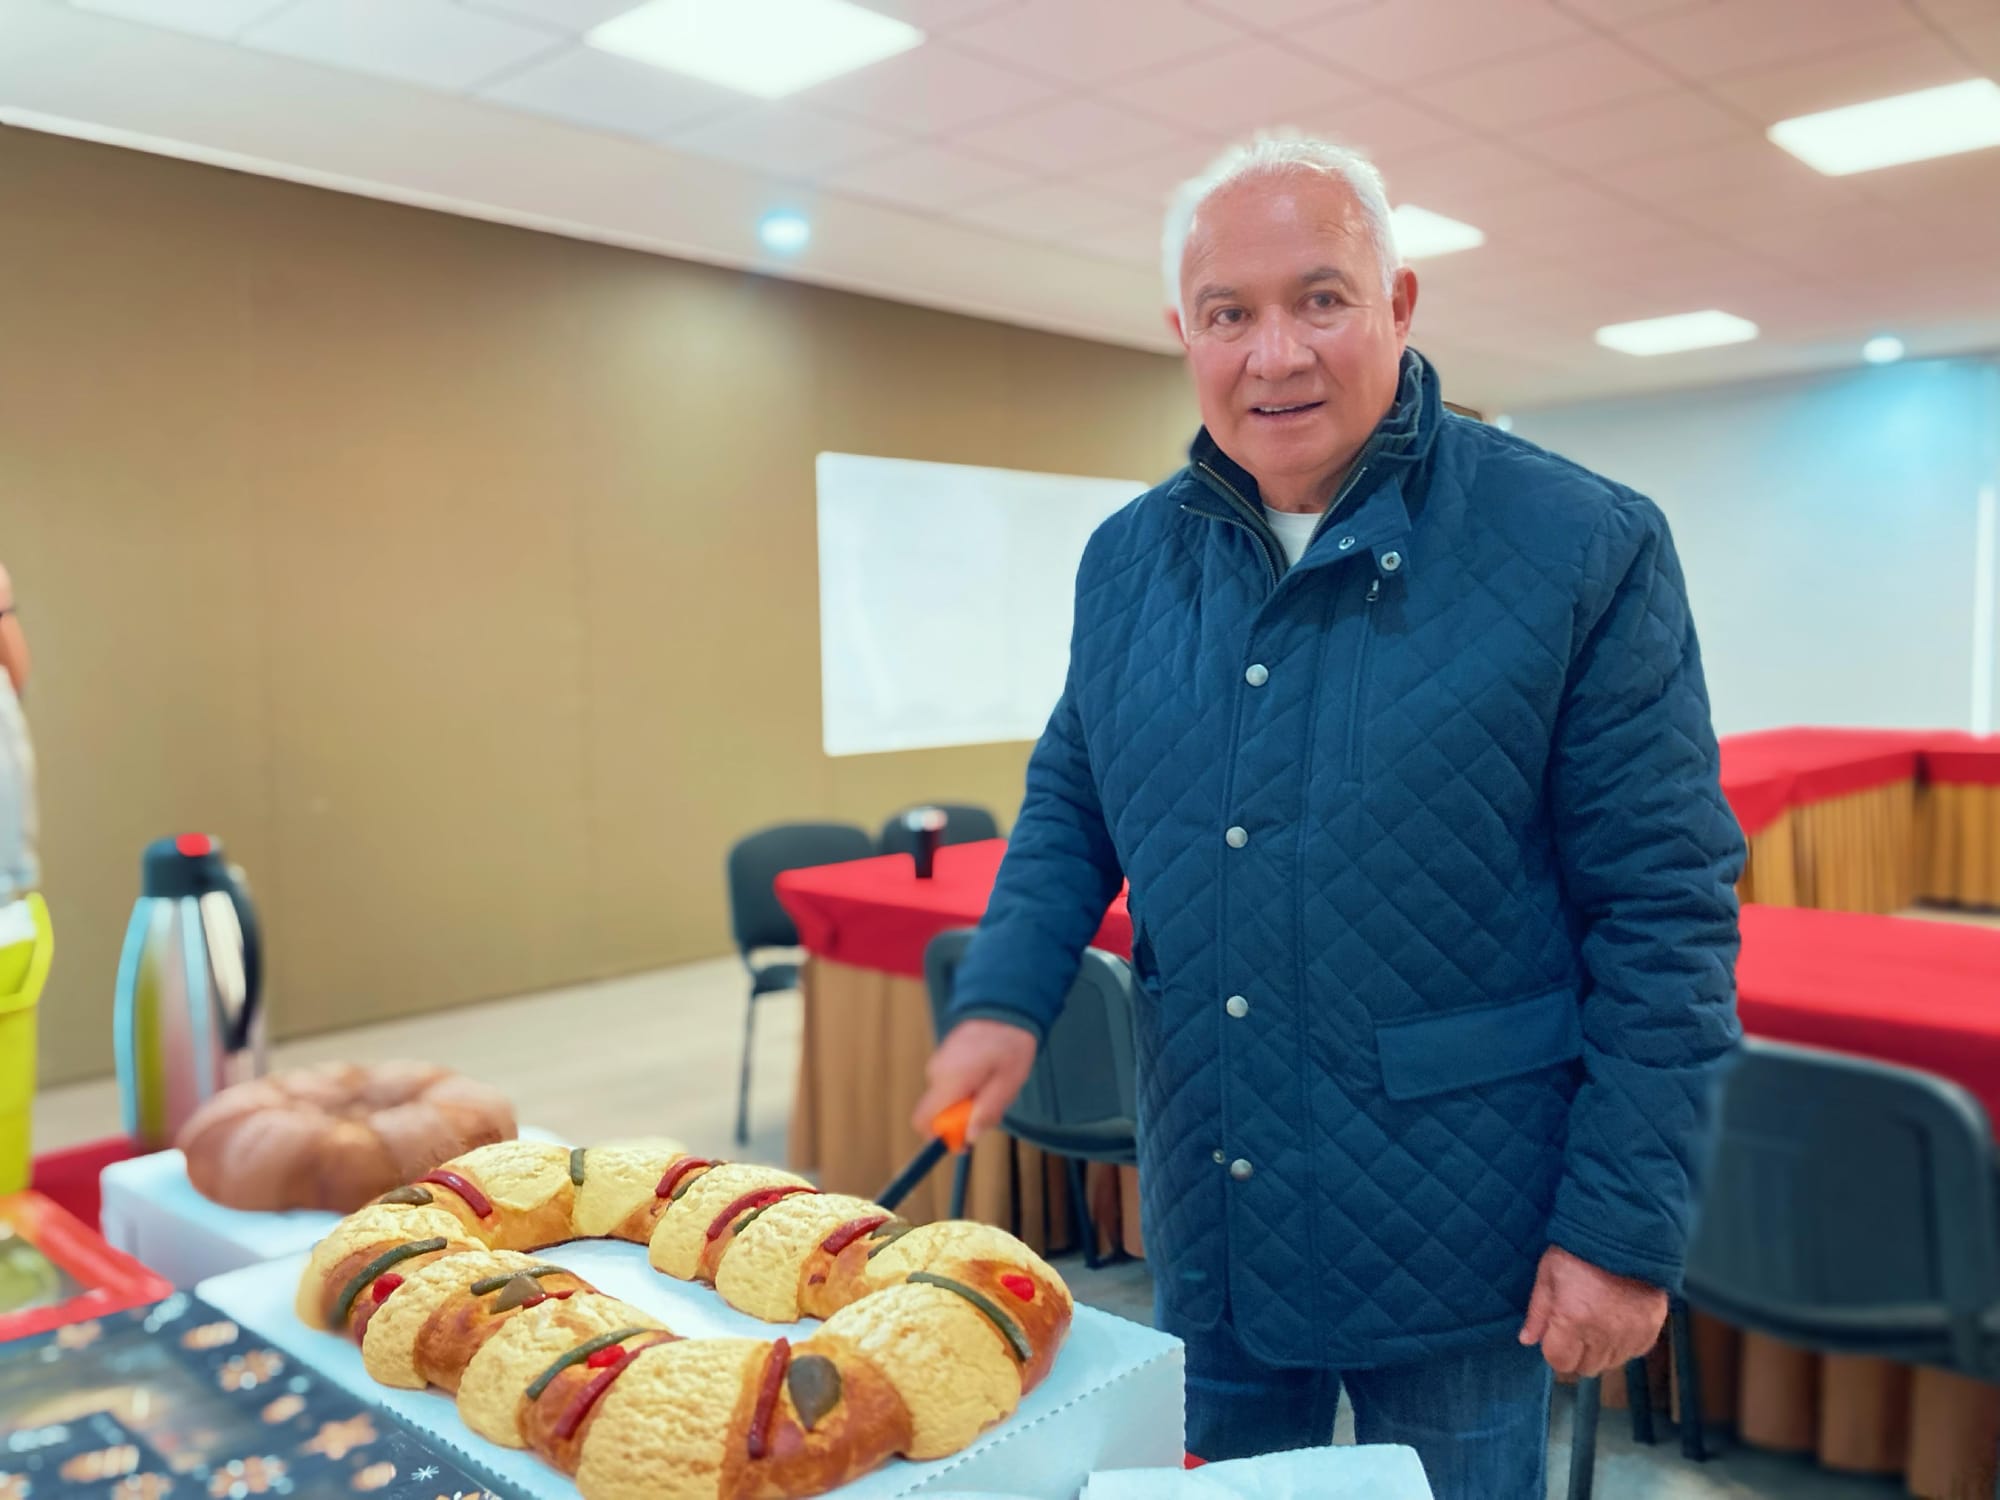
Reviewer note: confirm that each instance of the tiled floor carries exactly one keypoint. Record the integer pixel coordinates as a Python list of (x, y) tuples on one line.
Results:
[(658, 1054)]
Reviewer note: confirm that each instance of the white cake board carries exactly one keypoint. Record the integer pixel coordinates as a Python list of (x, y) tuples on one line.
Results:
[(1113, 1401), (151, 1211)]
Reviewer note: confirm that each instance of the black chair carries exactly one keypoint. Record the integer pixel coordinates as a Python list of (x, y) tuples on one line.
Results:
[(1081, 1099), (1852, 1209), (964, 824), (758, 921)]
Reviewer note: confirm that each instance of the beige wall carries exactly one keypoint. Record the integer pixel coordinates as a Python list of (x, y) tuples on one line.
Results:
[(462, 578)]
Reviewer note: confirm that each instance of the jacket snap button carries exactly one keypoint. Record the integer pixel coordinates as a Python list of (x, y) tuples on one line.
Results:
[(1347, 544), (1237, 1006), (1391, 561), (1241, 1169), (1236, 838), (1220, 1158), (1258, 675)]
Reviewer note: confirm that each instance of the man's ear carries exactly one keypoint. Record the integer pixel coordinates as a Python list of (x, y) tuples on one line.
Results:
[(1173, 317), (1403, 301)]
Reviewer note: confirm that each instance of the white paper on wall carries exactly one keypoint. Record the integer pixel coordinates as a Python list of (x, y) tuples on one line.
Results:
[(945, 598)]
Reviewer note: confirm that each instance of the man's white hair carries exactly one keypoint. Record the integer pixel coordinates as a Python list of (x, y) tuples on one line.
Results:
[(1276, 155)]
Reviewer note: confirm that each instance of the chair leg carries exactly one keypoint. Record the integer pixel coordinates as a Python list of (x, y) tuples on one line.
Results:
[(743, 1083), (1681, 1323), (1583, 1438), (961, 1177), (1639, 1396), (1079, 1205)]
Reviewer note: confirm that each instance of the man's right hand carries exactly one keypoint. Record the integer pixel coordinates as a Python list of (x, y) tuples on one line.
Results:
[(984, 1061)]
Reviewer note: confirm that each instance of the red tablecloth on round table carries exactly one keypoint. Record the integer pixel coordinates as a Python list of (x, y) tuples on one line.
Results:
[(1765, 774), (1925, 994), (1963, 759), (876, 914), (1900, 989)]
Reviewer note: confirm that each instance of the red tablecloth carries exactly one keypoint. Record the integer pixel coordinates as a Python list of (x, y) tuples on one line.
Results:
[(1924, 994), (876, 914), (1963, 759), (1765, 774)]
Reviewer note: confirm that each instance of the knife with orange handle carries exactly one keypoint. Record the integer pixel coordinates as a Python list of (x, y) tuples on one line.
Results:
[(948, 1129)]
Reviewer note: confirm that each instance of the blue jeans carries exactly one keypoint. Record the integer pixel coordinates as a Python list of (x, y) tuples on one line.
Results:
[(1479, 1421)]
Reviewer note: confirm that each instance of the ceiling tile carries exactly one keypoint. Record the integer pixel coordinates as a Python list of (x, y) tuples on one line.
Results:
[(1152, 178), (1970, 179), (930, 90), (1385, 127), (1761, 33), (216, 18), (1279, 15), (1643, 126), (1951, 12), (787, 140), (429, 42), (1803, 88), (936, 17), (1981, 44), (1546, 85), (1620, 13), (586, 87), (1536, 208), (929, 179), (1134, 241), (573, 17), (1461, 180), (1053, 211), (1243, 87), (1747, 163), (1074, 136), (1414, 39), (1087, 44)]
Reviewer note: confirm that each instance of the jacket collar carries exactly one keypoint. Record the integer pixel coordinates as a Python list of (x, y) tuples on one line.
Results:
[(1392, 459)]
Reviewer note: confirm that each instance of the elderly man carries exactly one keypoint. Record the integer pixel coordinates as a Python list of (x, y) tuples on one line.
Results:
[(1396, 725)]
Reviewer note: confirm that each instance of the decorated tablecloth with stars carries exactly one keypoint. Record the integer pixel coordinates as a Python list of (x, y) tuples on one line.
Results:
[(174, 1400)]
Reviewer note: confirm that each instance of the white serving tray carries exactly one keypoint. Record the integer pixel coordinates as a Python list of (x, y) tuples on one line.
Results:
[(152, 1212), (1113, 1401)]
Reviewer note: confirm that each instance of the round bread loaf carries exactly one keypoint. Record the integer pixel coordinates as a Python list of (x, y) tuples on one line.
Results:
[(335, 1136)]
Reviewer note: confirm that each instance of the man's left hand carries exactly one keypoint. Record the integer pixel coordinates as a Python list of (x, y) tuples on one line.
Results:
[(1587, 1320)]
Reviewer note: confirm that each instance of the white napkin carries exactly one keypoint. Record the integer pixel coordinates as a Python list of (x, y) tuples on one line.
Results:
[(1373, 1473)]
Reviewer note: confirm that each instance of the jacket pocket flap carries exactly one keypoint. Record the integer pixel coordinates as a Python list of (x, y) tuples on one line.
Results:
[(1437, 1054)]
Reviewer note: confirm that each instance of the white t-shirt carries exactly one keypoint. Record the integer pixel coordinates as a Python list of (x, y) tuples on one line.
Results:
[(1294, 529)]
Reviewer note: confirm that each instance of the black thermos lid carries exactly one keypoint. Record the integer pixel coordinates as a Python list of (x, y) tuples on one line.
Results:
[(190, 865)]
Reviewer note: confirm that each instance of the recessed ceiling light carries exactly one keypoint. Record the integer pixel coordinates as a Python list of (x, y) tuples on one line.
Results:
[(785, 233), (1904, 127), (1695, 330), (1883, 349), (769, 48), (1420, 233)]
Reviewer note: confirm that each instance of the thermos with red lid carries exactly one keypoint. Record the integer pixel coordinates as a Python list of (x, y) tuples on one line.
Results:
[(188, 1021)]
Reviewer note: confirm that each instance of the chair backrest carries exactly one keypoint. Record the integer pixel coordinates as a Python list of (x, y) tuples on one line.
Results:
[(1851, 1208), (963, 824), (755, 917), (1081, 1099)]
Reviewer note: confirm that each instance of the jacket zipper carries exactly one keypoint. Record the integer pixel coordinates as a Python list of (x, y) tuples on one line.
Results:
[(1251, 522), (1255, 524)]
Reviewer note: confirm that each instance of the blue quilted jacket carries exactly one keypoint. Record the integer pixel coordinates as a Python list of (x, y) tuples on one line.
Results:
[(1432, 884)]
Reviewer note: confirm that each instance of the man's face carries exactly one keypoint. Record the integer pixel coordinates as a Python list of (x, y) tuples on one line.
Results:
[(1295, 347)]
